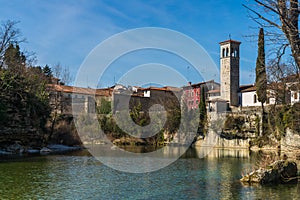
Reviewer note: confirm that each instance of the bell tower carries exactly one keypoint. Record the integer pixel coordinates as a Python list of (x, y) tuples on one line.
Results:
[(230, 71)]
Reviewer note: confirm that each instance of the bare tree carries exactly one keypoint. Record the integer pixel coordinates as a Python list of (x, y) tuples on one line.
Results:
[(66, 76), (9, 34), (281, 18), (57, 70), (279, 72), (62, 73)]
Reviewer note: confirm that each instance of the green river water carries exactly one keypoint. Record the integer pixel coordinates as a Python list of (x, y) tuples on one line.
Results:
[(78, 175)]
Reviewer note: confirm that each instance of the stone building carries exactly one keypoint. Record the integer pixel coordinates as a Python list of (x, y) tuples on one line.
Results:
[(75, 100), (230, 71), (192, 92), (168, 97)]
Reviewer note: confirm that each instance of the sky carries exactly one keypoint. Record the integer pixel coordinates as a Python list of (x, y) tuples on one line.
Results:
[(66, 32)]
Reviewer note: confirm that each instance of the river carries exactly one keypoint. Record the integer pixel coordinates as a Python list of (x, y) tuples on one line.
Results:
[(78, 175)]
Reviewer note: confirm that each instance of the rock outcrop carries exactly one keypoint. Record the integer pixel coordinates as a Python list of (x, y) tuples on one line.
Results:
[(281, 171)]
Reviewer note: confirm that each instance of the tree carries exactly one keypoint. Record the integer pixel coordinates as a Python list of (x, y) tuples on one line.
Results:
[(281, 17), (105, 107), (47, 71), (22, 91), (9, 34), (202, 110), (62, 73), (261, 77), (202, 105), (14, 59), (278, 76)]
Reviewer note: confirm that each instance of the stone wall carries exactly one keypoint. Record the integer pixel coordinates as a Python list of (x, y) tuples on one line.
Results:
[(291, 141)]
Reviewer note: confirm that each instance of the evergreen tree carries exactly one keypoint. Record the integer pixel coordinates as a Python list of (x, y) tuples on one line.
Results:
[(261, 77), (47, 71), (14, 59), (22, 91), (202, 110), (202, 105)]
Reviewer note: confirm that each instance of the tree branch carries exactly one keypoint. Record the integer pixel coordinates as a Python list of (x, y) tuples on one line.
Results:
[(262, 17)]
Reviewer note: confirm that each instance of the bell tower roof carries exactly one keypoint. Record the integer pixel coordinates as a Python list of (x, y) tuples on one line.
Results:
[(230, 41)]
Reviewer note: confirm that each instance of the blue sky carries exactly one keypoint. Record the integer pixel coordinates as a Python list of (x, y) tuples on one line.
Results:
[(67, 31)]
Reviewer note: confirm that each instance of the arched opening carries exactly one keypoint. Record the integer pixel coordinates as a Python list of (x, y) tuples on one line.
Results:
[(227, 52), (254, 98), (223, 52), (235, 53)]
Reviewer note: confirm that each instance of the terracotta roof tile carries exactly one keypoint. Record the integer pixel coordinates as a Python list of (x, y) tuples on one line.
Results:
[(248, 89), (80, 90)]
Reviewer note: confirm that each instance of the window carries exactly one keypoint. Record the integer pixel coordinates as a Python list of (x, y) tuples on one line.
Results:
[(296, 95), (235, 53), (255, 99)]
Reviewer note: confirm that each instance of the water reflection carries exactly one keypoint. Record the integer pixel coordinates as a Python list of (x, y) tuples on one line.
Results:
[(212, 153), (80, 176)]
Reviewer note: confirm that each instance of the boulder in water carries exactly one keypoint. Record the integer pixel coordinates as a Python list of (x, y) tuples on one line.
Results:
[(280, 171)]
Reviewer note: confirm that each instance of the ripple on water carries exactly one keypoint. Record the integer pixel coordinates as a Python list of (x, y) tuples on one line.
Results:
[(73, 176)]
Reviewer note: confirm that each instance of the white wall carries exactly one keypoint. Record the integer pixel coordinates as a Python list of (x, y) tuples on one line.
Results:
[(248, 99), (147, 93), (293, 95)]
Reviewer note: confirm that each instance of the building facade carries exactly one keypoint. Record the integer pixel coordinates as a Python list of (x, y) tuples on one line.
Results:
[(75, 100), (192, 92)]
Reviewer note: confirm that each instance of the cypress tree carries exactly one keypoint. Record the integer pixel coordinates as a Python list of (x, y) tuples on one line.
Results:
[(202, 111), (202, 105), (261, 77)]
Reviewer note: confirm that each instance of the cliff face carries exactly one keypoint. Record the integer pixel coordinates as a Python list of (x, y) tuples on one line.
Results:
[(243, 129)]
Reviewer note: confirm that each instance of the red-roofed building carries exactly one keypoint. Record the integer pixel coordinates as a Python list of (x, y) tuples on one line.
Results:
[(64, 99)]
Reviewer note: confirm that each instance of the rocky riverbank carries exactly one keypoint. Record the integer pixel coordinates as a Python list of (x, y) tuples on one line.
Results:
[(281, 171), (17, 149)]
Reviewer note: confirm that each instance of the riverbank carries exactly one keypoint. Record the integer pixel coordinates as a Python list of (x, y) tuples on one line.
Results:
[(17, 149)]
